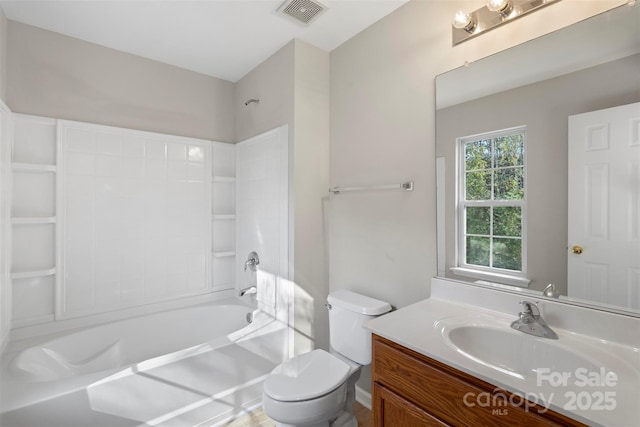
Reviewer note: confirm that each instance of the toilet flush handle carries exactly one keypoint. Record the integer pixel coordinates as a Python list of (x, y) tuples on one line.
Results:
[(327, 306)]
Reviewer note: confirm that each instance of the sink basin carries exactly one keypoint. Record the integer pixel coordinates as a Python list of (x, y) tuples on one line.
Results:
[(511, 352)]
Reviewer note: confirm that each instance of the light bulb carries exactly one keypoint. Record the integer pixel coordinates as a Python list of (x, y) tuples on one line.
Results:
[(463, 21), (503, 7), (497, 5)]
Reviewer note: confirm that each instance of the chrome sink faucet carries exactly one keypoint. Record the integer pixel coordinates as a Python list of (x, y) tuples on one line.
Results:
[(530, 322)]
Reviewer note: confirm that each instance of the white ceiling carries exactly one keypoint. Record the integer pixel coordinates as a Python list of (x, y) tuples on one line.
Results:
[(221, 38)]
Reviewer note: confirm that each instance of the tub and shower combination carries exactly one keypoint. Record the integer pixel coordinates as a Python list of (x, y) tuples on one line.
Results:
[(156, 233), (200, 365)]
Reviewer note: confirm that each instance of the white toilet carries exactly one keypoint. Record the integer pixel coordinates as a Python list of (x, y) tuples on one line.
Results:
[(317, 389)]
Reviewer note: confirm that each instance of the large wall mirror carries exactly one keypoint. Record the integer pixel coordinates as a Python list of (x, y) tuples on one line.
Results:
[(549, 87)]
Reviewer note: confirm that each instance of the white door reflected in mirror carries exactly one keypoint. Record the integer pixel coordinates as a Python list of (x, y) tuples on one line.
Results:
[(604, 206)]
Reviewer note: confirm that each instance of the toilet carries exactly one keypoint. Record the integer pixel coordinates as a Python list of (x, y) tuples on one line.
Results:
[(317, 389)]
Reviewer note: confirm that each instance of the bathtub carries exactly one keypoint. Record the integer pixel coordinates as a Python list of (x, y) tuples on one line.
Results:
[(200, 365)]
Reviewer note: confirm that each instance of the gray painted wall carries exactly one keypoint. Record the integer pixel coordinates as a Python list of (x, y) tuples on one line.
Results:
[(4, 28), (53, 75), (543, 107), (271, 82), (310, 185)]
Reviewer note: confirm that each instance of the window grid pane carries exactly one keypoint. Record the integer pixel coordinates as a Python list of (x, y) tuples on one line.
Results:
[(479, 251), (478, 155), (507, 221), (507, 253), (508, 184), (478, 221), (479, 185), (509, 150)]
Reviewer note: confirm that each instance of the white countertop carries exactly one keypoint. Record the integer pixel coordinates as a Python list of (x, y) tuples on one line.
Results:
[(419, 328)]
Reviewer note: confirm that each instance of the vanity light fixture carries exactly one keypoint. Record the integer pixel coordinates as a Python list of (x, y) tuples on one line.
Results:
[(495, 13)]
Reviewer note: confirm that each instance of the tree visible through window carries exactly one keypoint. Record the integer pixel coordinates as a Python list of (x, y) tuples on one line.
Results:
[(492, 200)]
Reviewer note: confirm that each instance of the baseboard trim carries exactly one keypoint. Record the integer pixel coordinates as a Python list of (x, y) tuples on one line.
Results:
[(363, 397)]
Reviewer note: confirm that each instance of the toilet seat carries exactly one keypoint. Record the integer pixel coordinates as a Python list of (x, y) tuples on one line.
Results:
[(306, 377)]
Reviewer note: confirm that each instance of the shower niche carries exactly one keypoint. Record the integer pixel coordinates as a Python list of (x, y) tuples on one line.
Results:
[(224, 215), (33, 219)]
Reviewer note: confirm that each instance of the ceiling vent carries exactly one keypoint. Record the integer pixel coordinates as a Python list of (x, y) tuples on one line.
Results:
[(302, 11)]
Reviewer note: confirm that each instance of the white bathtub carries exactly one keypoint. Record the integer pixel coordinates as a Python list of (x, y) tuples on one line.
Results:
[(202, 364)]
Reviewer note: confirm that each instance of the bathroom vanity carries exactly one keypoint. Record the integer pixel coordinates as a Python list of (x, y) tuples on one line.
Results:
[(411, 389), (453, 359)]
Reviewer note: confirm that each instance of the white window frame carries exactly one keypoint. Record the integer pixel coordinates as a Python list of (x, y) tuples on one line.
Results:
[(492, 274)]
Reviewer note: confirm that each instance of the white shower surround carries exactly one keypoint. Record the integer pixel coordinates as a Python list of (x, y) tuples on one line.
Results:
[(39, 218), (207, 365), (262, 219), (134, 224)]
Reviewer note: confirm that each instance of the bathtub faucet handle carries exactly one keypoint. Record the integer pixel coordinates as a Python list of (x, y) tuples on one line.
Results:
[(252, 261)]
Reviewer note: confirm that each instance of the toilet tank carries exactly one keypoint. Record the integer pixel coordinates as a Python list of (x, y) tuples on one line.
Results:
[(348, 311)]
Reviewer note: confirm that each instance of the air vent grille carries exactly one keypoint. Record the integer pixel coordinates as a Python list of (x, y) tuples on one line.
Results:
[(303, 11)]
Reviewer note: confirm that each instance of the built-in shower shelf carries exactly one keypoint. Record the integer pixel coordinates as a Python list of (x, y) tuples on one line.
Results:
[(223, 209), (33, 220), (224, 179), (224, 216), (32, 167), (224, 254), (33, 273)]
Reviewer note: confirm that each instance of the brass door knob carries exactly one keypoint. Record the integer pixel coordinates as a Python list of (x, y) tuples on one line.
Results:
[(576, 249)]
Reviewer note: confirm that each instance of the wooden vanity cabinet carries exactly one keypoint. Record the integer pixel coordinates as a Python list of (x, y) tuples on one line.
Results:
[(410, 389)]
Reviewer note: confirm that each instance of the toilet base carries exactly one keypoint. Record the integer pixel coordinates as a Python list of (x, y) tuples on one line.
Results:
[(325, 424), (343, 420)]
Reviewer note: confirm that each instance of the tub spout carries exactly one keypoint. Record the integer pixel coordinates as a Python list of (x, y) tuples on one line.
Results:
[(248, 291)]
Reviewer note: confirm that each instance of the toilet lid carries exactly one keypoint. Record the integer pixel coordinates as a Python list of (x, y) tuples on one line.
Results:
[(306, 376)]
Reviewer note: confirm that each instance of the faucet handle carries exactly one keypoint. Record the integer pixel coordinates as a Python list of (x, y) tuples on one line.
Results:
[(252, 261), (550, 291), (530, 308)]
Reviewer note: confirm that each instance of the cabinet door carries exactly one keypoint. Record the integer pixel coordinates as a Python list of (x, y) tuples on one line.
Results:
[(391, 410)]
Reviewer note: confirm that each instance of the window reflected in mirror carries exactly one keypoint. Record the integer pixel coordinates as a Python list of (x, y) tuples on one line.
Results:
[(492, 203)]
